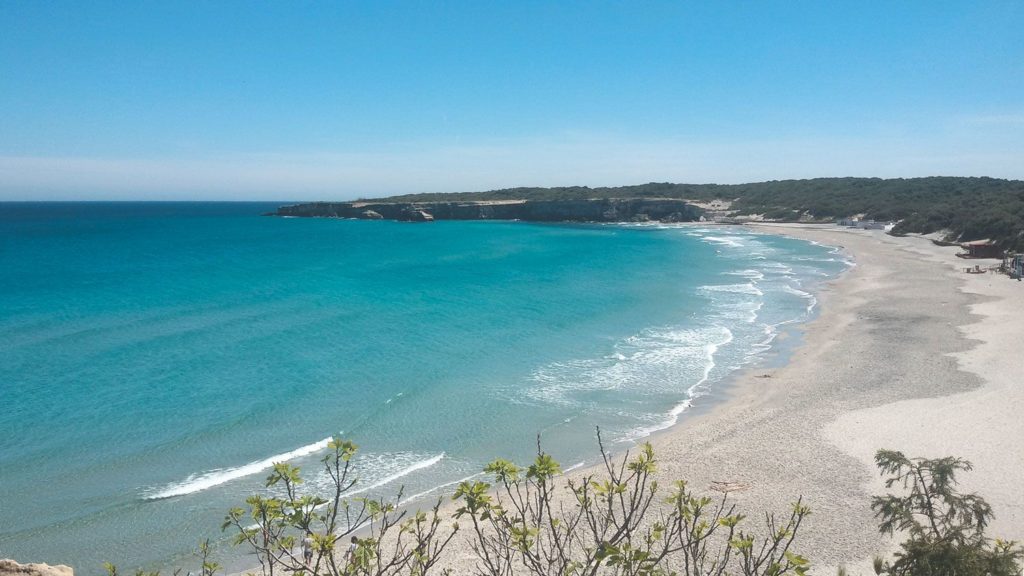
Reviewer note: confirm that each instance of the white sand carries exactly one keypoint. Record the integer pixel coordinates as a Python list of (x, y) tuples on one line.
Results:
[(936, 357)]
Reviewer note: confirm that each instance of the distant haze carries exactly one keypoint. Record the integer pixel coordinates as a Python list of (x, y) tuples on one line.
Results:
[(348, 176)]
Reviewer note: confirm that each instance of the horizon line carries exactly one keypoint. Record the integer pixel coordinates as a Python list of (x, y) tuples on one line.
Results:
[(362, 198)]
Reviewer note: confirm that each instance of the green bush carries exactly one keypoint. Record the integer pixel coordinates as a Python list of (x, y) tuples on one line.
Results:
[(945, 528)]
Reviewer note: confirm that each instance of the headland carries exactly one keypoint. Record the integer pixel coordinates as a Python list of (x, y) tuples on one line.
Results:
[(571, 210)]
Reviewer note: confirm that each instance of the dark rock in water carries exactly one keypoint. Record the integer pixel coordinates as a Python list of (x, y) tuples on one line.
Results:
[(12, 568), (593, 210), (371, 215)]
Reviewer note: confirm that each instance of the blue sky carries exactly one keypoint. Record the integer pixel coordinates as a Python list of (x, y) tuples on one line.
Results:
[(319, 100)]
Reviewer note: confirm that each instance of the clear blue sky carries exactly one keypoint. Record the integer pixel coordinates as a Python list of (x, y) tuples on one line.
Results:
[(311, 100)]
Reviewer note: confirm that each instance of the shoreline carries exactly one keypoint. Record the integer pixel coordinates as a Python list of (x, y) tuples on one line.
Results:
[(901, 340), (894, 344)]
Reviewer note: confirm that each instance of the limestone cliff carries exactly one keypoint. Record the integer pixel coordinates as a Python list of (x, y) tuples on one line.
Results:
[(592, 210), (12, 568)]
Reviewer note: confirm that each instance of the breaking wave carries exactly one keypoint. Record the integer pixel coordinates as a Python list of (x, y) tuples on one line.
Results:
[(206, 480)]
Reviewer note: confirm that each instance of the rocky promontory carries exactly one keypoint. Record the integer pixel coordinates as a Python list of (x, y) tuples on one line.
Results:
[(585, 210), (11, 568)]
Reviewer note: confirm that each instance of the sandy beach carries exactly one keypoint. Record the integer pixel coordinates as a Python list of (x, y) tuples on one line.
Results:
[(907, 353)]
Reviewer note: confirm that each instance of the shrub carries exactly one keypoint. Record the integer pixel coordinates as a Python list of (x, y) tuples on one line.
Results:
[(945, 527)]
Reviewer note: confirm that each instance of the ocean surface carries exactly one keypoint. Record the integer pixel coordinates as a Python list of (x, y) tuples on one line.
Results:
[(156, 358)]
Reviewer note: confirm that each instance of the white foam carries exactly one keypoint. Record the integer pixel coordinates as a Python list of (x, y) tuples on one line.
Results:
[(653, 360), (748, 288), (710, 349), (754, 275), (724, 240), (206, 480), (796, 291), (575, 466), (427, 463), (323, 481), (812, 301), (779, 267)]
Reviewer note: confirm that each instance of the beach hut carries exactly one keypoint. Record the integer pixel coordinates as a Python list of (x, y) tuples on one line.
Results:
[(980, 249), (871, 225)]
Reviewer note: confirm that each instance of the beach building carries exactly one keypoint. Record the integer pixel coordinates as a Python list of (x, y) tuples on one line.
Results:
[(980, 249), (871, 225), (863, 224)]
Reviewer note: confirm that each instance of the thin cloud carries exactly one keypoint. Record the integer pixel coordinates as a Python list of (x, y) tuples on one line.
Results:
[(576, 159), (989, 120)]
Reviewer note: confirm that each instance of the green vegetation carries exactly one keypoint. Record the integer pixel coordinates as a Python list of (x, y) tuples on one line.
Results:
[(616, 522), (968, 208), (945, 528), (275, 528)]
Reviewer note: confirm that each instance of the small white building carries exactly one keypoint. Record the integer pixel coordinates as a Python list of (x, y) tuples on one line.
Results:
[(871, 225)]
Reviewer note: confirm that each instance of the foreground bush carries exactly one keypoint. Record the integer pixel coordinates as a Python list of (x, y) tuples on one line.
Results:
[(945, 528), (394, 541), (615, 523), (619, 522)]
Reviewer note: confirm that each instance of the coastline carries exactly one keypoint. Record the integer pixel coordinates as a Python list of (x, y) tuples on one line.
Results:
[(903, 345), (902, 342)]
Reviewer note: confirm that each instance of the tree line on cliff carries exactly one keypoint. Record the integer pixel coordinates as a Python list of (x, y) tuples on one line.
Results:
[(968, 208), (530, 520)]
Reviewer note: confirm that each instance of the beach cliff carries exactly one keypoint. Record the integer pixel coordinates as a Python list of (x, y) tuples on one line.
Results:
[(585, 210)]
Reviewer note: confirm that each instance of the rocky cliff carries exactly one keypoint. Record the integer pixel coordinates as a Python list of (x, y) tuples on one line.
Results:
[(12, 568), (593, 210)]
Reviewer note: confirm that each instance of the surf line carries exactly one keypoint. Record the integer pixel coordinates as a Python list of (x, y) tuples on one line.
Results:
[(207, 480), (197, 483), (400, 474)]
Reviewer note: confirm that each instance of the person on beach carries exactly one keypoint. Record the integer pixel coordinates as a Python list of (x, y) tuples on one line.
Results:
[(307, 548), (350, 554)]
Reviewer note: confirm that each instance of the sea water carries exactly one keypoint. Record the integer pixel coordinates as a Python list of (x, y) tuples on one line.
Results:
[(157, 358)]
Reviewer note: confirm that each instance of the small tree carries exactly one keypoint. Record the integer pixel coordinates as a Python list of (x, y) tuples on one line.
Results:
[(272, 526), (615, 524), (945, 528)]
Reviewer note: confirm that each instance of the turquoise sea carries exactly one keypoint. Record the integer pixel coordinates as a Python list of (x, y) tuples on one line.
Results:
[(156, 358)]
